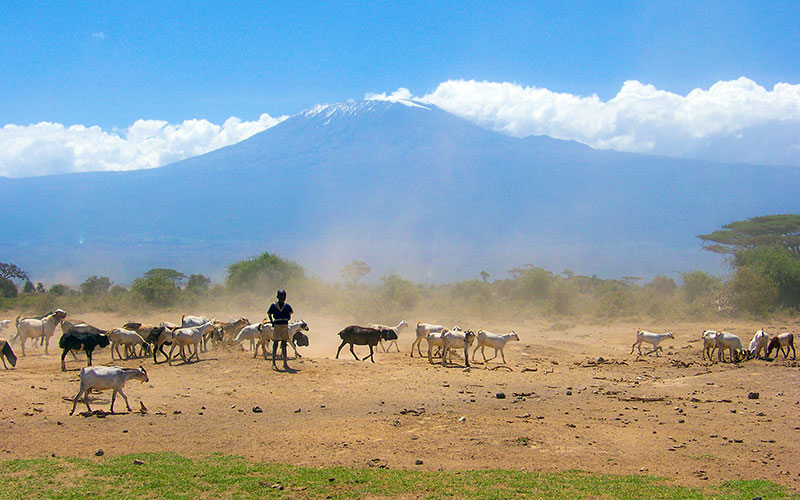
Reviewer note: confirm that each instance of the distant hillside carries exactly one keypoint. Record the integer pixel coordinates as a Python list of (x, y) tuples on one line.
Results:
[(402, 186)]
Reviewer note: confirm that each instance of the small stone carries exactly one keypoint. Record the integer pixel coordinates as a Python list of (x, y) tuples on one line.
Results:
[(752, 395), (418, 462), (600, 360), (124, 431), (138, 462), (59, 423), (643, 469), (500, 395), (680, 420), (297, 410), (257, 409), (176, 412), (569, 393), (99, 452), (462, 419)]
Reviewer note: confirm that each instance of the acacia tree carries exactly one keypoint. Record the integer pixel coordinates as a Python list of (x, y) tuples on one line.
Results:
[(11, 271), (770, 230), (354, 271), (176, 277)]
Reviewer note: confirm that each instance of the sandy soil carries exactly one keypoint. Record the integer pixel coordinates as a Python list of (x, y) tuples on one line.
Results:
[(674, 415)]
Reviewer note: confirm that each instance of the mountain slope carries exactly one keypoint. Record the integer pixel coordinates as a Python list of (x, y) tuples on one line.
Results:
[(404, 187)]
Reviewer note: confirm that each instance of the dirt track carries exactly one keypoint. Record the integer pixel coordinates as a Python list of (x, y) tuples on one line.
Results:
[(672, 415)]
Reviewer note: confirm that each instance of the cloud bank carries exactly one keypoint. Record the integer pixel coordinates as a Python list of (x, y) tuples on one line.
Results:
[(52, 148), (733, 121)]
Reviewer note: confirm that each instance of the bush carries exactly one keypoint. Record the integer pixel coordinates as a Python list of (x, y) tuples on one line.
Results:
[(8, 289), (778, 264), (697, 284), (751, 292), (264, 273), (662, 285), (59, 290), (398, 292), (156, 290), (95, 285), (616, 300)]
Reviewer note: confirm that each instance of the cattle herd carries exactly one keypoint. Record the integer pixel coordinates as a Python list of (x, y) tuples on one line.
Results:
[(196, 334)]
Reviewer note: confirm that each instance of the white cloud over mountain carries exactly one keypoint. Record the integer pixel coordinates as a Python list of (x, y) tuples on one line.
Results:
[(732, 121), (52, 148)]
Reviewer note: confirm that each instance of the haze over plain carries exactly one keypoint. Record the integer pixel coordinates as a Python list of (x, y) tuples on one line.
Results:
[(140, 87)]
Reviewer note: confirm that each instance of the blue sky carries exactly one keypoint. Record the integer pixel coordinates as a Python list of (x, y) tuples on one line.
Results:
[(109, 64)]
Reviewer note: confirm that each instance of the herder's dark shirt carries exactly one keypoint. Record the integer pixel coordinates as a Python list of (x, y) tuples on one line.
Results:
[(280, 316)]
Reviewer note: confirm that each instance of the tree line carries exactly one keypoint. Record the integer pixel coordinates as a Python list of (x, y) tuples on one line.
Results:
[(762, 253)]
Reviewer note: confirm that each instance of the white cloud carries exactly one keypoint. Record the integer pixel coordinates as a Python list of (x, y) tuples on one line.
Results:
[(734, 121), (52, 148)]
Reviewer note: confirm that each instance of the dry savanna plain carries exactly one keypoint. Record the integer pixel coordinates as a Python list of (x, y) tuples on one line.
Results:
[(572, 397)]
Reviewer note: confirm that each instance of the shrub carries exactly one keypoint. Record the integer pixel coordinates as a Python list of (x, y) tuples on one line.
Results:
[(156, 290), (95, 285), (697, 284), (8, 289), (751, 292), (264, 273)]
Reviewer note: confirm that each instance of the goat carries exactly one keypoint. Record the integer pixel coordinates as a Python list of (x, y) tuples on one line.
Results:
[(779, 342), (144, 330), (191, 336), (651, 338), (75, 340), (497, 342), (127, 338), (193, 321), (359, 335), (231, 329), (44, 328), (725, 340), (454, 339), (423, 329), (265, 336), (7, 354), (158, 337), (395, 329), (709, 343), (758, 346), (80, 326), (252, 332), (102, 378)]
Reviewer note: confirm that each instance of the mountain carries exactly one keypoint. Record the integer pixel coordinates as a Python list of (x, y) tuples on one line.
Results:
[(403, 186)]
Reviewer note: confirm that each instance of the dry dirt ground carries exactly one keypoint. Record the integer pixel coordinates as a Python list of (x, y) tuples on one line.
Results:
[(674, 415)]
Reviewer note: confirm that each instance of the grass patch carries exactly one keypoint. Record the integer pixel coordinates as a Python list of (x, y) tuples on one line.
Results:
[(169, 476)]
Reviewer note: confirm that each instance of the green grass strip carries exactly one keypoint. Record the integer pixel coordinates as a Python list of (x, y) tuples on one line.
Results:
[(169, 476)]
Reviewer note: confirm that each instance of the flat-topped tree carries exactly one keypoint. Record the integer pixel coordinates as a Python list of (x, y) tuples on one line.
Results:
[(769, 230), (11, 271)]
